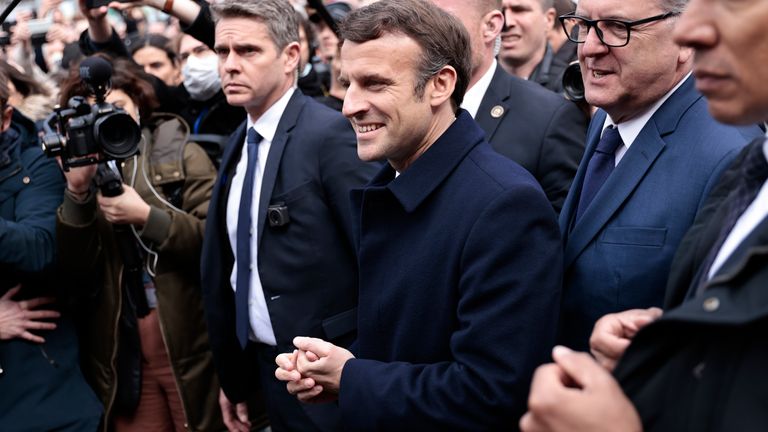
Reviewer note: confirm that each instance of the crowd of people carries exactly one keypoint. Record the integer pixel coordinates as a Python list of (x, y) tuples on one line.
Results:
[(383, 214)]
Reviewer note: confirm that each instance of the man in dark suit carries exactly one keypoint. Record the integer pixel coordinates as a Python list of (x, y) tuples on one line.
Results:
[(278, 233), (701, 365), (456, 304), (534, 127), (653, 154)]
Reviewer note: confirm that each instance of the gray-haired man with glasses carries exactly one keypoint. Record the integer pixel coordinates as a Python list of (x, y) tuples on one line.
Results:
[(653, 153)]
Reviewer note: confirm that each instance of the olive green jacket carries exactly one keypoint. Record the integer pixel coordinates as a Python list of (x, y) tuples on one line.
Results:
[(87, 250)]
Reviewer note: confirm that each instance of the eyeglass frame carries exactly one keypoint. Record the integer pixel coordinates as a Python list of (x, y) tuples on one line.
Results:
[(592, 24)]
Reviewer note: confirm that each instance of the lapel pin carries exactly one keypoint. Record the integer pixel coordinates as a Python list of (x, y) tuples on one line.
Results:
[(497, 111)]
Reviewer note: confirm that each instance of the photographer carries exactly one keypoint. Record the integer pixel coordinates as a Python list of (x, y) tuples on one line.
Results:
[(152, 369), (39, 370)]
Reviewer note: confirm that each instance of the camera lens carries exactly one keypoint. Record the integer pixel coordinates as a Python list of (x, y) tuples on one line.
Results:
[(118, 134), (573, 85)]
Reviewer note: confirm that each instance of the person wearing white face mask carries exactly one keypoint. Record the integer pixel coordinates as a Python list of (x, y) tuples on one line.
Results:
[(201, 76)]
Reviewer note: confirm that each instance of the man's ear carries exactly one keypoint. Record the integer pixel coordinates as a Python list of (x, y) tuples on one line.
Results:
[(292, 53), (443, 84), (7, 115), (550, 16), (492, 24)]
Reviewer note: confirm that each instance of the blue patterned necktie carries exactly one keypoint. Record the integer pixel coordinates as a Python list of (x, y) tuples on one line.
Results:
[(600, 166), (244, 232)]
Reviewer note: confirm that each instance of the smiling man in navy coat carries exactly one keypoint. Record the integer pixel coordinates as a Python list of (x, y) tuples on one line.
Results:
[(653, 154), (278, 232), (458, 246)]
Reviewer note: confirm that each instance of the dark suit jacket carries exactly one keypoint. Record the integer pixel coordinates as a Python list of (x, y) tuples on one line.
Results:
[(457, 304), (536, 128), (308, 268), (701, 366), (618, 255)]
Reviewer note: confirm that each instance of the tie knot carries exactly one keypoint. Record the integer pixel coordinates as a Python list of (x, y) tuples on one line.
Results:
[(253, 137), (610, 141)]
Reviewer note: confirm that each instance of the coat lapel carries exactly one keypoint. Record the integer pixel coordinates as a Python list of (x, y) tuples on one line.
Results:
[(496, 96), (283, 134), (619, 186)]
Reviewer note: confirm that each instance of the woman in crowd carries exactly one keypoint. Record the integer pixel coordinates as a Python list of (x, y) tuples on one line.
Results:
[(145, 348), (156, 55)]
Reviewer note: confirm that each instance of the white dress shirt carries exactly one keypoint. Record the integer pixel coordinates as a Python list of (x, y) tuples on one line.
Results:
[(266, 126), (747, 222), (474, 96), (630, 129)]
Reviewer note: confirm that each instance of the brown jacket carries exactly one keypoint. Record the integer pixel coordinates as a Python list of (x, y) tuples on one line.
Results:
[(87, 249)]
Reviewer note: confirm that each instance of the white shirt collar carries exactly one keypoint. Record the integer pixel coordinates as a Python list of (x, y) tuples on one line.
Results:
[(266, 125), (474, 96), (630, 129)]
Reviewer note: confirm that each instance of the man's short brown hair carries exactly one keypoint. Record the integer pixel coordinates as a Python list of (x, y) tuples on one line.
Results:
[(442, 38)]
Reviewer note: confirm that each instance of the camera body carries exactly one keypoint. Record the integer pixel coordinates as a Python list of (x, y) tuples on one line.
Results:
[(81, 130), (84, 129)]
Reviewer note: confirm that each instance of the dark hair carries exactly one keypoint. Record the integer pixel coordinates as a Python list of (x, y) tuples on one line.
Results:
[(24, 83), (5, 93), (153, 40), (442, 38), (126, 76)]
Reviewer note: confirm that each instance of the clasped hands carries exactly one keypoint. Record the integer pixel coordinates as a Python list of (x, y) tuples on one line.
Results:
[(312, 372), (577, 392)]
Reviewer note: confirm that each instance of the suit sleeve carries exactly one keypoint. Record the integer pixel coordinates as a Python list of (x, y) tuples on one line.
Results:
[(509, 297), (562, 150)]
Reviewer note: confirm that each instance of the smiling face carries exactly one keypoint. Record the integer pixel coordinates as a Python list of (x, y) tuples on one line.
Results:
[(254, 73), (391, 121), (627, 81), (731, 56)]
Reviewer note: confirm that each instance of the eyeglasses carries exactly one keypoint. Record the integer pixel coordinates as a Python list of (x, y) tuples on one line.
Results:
[(611, 32)]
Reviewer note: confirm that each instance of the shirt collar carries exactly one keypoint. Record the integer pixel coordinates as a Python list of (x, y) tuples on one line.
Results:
[(630, 129), (266, 124), (474, 96)]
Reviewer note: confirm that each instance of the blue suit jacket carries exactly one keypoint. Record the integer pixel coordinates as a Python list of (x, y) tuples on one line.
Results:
[(459, 291), (308, 268), (618, 255)]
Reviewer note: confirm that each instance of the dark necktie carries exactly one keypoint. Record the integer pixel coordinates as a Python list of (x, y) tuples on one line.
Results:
[(244, 233), (600, 166), (754, 172)]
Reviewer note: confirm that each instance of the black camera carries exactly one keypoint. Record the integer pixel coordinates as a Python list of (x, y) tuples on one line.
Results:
[(573, 84), (80, 130), (277, 215)]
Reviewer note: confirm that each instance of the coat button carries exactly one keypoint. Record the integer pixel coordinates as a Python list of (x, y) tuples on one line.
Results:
[(698, 370), (26, 180), (711, 304)]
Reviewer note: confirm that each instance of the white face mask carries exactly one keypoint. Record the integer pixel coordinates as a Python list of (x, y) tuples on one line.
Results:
[(201, 76)]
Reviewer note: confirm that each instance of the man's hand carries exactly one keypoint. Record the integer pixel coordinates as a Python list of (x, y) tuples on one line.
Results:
[(17, 318), (235, 416), (575, 394), (126, 208), (313, 372), (613, 333)]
